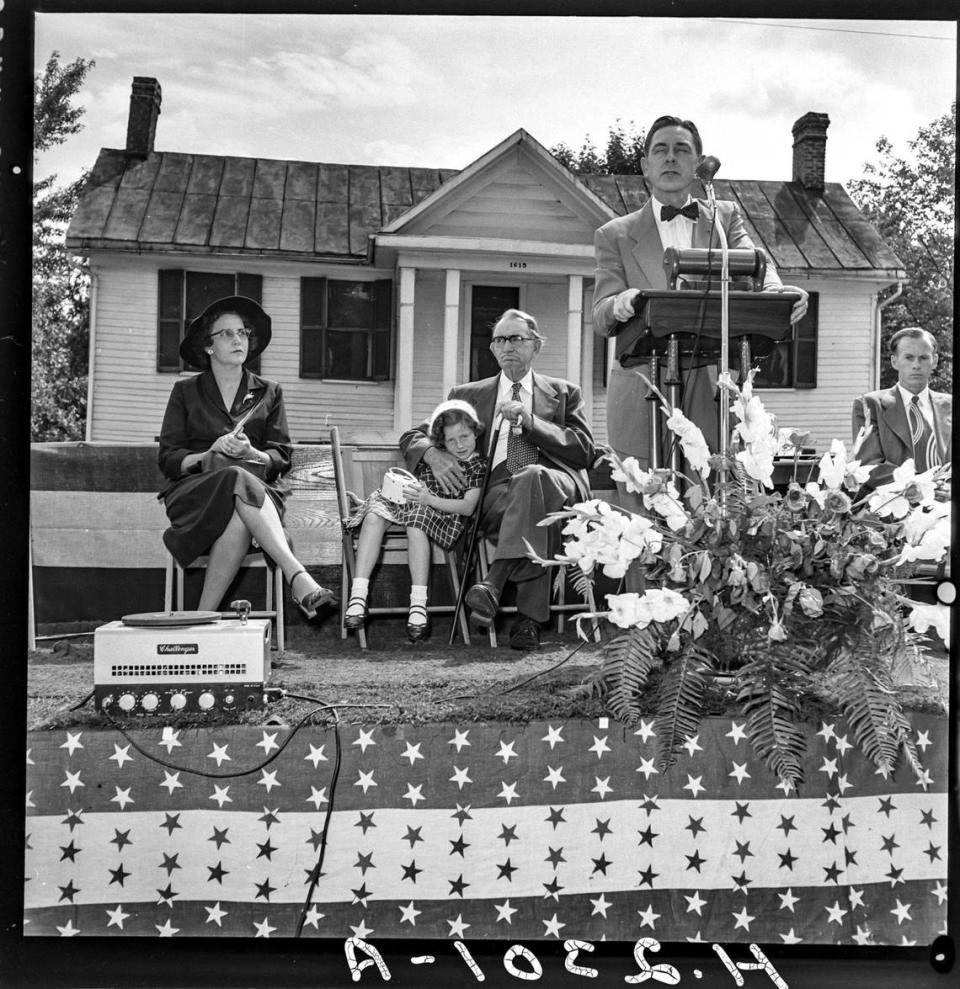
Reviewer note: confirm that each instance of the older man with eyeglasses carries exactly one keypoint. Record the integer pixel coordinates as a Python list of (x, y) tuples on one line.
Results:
[(541, 450)]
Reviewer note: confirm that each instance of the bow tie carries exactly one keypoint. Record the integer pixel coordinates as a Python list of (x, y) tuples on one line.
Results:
[(691, 211)]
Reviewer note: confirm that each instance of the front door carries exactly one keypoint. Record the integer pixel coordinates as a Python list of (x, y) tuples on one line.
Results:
[(487, 305)]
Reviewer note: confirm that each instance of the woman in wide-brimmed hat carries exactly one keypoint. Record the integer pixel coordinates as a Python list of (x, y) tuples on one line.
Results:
[(224, 447)]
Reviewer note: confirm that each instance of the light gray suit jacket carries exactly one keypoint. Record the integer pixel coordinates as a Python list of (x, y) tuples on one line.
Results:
[(629, 254), (889, 444)]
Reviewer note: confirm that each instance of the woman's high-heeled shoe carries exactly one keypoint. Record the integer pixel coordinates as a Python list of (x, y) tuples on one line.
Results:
[(313, 600), (416, 631), (356, 621)]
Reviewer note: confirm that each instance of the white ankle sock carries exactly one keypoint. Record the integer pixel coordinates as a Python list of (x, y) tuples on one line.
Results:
[(418, 595), (359, 588)]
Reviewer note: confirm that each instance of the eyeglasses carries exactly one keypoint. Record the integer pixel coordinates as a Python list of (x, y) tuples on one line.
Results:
[(514, 340), (241, 334)]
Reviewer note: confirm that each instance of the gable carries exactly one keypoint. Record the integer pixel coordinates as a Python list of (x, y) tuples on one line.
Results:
[(517, 196)]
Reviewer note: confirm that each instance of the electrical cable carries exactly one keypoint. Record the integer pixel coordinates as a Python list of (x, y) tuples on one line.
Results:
[(240, 772), (315, 872)]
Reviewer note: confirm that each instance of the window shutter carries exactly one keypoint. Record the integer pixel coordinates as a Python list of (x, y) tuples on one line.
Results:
[(805, 346), (383, 309), (169, 318), (313, 324)]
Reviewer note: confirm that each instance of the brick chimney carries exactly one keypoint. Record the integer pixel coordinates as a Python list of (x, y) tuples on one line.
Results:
[(144, 110), (810, 149)]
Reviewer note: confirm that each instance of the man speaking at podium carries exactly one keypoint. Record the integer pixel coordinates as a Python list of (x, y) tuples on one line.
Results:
[(629, 255)]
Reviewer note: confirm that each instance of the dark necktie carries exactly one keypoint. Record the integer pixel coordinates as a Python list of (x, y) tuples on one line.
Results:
[(520, 451), (691, 211), (925, 453)]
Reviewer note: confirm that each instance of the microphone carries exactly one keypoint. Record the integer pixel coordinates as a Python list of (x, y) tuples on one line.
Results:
[(707, 169)]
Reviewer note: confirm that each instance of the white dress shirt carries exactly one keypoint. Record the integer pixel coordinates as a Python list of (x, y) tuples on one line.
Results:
[(505, 394), (677, 232), (926, 408)]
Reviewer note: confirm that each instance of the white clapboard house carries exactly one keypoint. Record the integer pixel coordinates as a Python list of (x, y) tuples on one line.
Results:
[(383, 282)]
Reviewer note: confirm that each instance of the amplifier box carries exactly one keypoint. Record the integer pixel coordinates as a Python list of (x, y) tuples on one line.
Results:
[(215, 666)]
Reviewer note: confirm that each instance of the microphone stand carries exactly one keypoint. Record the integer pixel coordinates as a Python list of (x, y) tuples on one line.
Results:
[(724, 330)]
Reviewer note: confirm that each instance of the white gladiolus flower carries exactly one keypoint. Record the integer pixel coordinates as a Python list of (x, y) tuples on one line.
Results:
[(923, 616), (907, 486), (927, 533), (695, 449), (655, 605)]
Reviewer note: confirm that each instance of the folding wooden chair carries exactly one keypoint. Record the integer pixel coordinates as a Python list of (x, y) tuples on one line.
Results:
[(358, 472), (273, 589), (559, 605)]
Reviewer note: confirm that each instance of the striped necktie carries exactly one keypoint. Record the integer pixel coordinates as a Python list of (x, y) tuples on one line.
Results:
[(925, 453), (520, 451)]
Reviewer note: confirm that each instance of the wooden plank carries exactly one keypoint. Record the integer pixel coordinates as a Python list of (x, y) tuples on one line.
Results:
[(140, 174), (127, 214), (230, 221), (174, 172), (263, 224), (163, 213), (269, 179), (395, 186), (196, 218), (94, 467), (237, 177), (205, 175), (333, 223), (297, 225), (364, 201), (332, 184), (301, 181)]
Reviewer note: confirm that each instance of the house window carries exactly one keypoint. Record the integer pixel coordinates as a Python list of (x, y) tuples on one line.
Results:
[(345, 329), (183, 295), (792, 364), (487, 304)]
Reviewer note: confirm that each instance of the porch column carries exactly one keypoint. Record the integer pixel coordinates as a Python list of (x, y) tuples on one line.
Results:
[(451, 330), (403, 387), (588, 341), (574, 327)]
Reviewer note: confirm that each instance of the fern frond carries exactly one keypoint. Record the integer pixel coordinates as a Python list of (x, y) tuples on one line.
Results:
[(582, 584), (869, 701), (628, 660), (680, 702)]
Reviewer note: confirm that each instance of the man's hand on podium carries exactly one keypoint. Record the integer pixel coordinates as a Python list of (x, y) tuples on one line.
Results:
[(623, 305), (799, 307)]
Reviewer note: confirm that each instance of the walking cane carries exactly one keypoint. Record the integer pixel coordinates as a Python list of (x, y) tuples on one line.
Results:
[(474, 529)]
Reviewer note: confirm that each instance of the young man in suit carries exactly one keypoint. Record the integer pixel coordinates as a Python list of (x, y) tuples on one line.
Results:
[(909, 420), (543, 448), (629, 256)]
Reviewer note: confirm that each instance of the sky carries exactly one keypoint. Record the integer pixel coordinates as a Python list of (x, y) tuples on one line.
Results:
[(441, 91)]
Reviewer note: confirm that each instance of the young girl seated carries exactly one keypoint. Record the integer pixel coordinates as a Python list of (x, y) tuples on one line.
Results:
[(429, 516)]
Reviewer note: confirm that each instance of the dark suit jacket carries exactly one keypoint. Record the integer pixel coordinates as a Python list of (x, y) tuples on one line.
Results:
[(196, 416), (559, 428), (889, 443)]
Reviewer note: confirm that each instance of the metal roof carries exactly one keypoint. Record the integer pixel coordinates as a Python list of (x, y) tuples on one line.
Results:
[(209, 204)]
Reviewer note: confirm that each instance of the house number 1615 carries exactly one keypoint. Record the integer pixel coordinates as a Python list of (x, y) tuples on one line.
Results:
[(518, 264)]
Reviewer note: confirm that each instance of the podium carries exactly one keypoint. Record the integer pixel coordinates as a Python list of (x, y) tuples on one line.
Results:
[(683, 327)]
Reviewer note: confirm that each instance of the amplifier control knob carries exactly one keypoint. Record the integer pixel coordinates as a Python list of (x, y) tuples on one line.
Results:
[(149, 702), (229, 699), (178, 701), (127, 702), (205, 700)]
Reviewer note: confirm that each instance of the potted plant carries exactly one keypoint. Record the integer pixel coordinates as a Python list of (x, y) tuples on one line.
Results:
[(770, 589)]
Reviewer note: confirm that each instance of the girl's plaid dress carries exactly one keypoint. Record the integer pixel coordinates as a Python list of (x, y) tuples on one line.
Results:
[(442, 528)]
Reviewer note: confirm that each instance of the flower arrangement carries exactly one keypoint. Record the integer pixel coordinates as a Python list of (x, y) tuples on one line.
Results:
[(769, 589)]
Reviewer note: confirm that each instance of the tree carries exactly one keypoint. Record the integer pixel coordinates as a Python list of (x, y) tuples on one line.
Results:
[(621, 156), (61, 308), (911, 202)]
